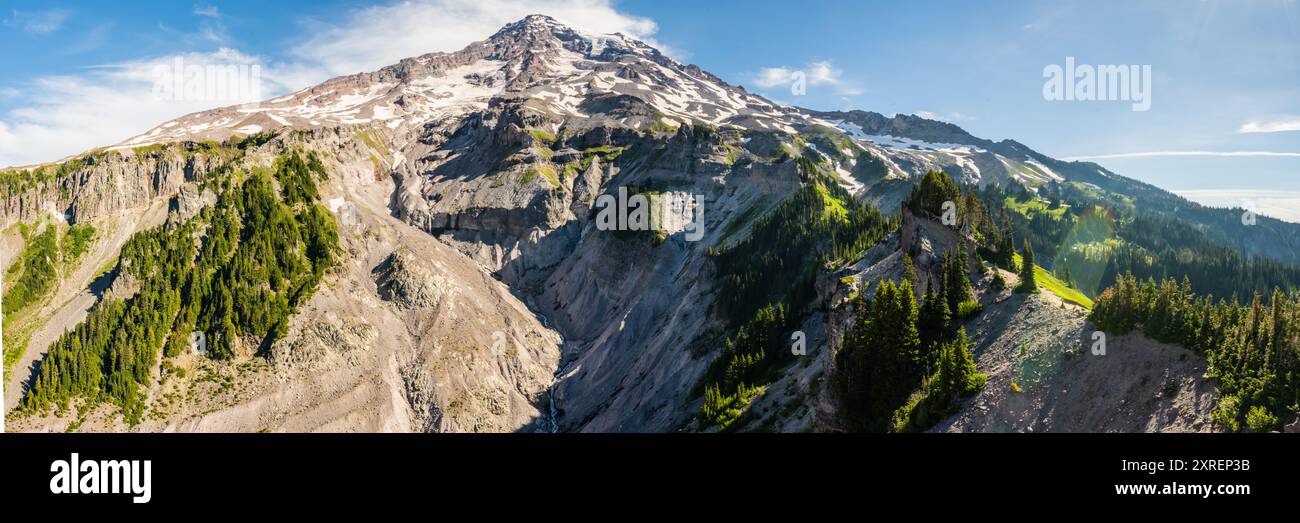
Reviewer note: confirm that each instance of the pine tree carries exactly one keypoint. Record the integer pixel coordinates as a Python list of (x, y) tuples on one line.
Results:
[(1027, 282), (909, 269), (957, 287), (933, 322)]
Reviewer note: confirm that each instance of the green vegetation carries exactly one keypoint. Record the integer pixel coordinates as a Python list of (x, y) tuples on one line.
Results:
[(901, 370), (31, 278), (904, 366), (543, 136), (1061, 289), (371, 142), (881, 361), (236, 270), (956, 377), (1028, 270), (547, 172), (832, 143), (1090, 236), (1252, 350), (750, 357), (969, 309), (661, 126), (819, 225), (77, 241), (35, 273), (928, 196), (1032, 207), (151, 149), (18, 181)]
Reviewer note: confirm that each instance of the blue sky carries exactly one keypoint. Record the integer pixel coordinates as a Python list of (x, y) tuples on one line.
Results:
[(75, 70)]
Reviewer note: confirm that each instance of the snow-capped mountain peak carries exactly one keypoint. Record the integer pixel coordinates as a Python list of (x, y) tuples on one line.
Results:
[(567, 72)]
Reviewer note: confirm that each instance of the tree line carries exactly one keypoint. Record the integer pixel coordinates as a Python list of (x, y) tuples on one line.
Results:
[(1252, 350), (236, 271), (819, 225)]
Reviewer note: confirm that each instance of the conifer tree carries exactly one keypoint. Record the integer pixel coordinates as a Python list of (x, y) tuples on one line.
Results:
[(1027, 283)]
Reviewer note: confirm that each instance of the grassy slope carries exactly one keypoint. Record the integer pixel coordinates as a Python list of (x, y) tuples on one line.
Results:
[(1047, 280)]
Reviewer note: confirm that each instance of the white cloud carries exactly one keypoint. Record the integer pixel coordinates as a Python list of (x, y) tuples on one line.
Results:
[(820, 73), (823, 73), (66, 115), (38, 23), (1270, 126), (773, 76), (1168, 154)]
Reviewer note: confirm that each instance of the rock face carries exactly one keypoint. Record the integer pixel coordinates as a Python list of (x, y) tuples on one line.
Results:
[(409, 281), (105, 183), (189, 200), (1059, 386), (325, 341)]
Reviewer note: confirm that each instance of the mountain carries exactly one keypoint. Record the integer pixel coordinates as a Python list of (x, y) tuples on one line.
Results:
[(423, 248)]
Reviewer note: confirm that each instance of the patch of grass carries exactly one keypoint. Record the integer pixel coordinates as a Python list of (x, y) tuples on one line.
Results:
[(542, 136), (968, 309), (371, 142), (661, 126), (149, 149), (607, 152), (1047, 280), (572, 169), (832, 208), (545, 171), (15, 343), (1034, 206)]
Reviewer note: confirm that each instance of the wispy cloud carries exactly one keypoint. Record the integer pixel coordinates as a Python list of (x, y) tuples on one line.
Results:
[(819, 73), (1270, 126), (1168, 154), (209, 11), (38, 23)]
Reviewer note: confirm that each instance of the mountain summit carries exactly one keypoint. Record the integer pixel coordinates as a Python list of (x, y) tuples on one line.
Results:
[(565, 71)]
